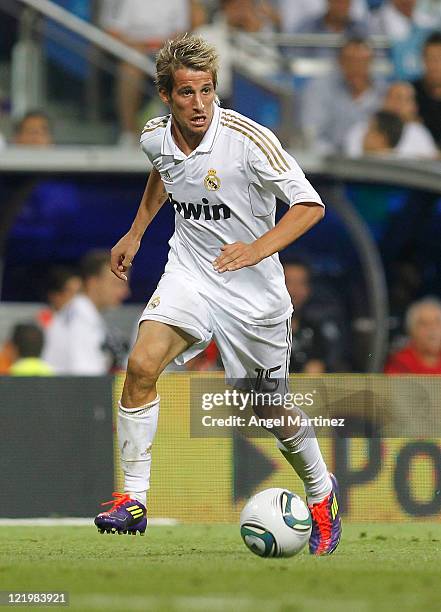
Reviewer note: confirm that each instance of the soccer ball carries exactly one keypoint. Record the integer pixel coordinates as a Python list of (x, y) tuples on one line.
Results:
[(275, 523)]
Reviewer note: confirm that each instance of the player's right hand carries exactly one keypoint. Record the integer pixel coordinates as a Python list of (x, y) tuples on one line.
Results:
[(122, 255)]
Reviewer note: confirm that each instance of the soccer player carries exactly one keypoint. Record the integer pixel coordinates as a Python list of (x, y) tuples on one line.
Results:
[(222, 173)]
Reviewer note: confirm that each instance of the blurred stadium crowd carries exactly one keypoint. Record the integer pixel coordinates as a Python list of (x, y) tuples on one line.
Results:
[(335, 109), (353, 96)]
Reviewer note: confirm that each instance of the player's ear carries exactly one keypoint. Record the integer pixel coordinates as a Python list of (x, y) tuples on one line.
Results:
[(164, 96)]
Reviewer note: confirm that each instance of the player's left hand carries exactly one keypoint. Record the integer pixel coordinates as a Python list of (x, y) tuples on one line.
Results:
[(236, 256)]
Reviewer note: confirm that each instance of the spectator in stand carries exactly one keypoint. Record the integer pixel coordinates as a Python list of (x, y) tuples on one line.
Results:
[(27, 344), (33, 130), (406, 28), (143, 26), (79, 341), (239, 19), (383, 134), (292, 14), (422, 355), (331, 105), (62, 285), (336, 19), (428, 87), (416, 140), (313, 340)]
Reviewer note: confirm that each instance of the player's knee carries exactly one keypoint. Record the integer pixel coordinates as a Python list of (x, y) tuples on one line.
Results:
[(143, 369)]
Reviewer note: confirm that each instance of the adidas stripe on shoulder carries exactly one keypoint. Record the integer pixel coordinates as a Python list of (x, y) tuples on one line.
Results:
[(154, 124), (268, 146)]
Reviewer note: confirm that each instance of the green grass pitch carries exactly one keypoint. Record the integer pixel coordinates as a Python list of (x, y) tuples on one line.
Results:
[(378, 567)]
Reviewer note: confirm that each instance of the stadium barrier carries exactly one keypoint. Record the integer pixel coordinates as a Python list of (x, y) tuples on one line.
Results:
[(60, 458), (55, 445)]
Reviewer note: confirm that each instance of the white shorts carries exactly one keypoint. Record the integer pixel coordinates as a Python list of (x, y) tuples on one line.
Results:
[(247, 351)]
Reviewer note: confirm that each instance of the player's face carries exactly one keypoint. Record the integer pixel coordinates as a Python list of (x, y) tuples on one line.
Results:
[(191, 102)]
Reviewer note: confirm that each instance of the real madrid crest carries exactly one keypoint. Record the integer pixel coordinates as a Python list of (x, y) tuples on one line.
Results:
[(154, 302), (212, 181)]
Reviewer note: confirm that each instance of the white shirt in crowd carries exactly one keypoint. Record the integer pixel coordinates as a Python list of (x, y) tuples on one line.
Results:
[(146, 20), (225, 191), (415, 142), (75, 341)]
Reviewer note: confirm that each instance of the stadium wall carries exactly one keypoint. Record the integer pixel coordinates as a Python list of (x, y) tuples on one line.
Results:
[(55, 445)]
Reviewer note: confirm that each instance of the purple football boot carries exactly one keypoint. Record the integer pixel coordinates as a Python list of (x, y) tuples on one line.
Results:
[(126, 515), (326, 523)]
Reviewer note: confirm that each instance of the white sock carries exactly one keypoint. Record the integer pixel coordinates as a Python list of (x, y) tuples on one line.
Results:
[(136, 431), (303, 453)]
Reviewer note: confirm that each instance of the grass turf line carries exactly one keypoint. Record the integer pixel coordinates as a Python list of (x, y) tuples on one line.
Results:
[(377, 567)]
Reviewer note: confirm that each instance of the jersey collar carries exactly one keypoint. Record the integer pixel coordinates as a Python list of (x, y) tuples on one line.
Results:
[(169, 147)]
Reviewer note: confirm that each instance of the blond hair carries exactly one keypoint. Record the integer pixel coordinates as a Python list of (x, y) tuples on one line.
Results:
[(186, 51)]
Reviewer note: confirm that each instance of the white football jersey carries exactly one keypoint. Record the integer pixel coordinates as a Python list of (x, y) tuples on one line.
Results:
[(223, 192)]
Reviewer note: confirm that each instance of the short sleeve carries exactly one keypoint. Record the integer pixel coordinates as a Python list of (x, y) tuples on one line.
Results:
[(148, 147), (152, 136), (270, 167)]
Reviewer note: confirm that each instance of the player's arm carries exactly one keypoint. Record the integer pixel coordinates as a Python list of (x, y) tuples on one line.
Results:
[(125, 249), (296, 222)]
